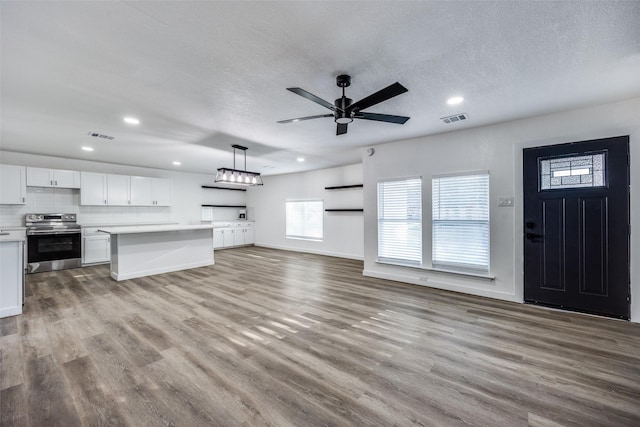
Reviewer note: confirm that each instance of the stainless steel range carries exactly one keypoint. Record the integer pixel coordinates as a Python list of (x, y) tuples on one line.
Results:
[(53, 242)]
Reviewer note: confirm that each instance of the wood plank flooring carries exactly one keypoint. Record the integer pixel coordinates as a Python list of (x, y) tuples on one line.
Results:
[(276, 338)]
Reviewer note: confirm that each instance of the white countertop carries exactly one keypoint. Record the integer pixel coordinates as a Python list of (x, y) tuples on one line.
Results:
[(230, 223), (152, 228), (12, 227), (125, 224)]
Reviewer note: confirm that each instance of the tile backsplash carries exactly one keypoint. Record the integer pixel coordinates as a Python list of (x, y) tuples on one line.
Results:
[(66, 200)]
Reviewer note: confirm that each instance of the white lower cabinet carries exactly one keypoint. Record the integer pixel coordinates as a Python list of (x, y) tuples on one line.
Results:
[(96, 247), (11, 272), (218, 238), (233, 234), (11, 277)]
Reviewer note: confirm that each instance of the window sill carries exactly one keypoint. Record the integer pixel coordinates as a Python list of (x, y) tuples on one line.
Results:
[(308, 239), (485, 276)]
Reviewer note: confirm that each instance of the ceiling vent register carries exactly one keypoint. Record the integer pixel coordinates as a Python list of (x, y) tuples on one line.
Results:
[(100, 135), (455, 118)]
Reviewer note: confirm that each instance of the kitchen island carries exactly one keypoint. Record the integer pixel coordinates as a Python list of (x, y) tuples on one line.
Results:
[(155, 249)]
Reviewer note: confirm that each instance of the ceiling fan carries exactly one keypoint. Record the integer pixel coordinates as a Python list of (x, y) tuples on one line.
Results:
[(345, 110)]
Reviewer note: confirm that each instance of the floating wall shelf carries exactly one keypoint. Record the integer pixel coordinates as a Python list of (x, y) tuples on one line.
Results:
[(223, 188), (344, 210), (342, 187), (224, 206)]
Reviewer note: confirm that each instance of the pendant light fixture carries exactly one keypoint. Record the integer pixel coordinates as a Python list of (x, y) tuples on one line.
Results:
[(237, 176)]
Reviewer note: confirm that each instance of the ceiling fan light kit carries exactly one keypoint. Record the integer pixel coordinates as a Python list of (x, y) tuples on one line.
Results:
[(345, 110), (238, 176)]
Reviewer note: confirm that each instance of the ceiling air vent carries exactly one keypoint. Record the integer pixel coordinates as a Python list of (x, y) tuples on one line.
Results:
[(100, 135), (455, 118)]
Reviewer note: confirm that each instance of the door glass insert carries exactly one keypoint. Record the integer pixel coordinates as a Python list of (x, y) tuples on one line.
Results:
[(572, 172)]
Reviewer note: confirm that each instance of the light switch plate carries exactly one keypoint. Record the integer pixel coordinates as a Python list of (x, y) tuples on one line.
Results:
[(505, 202)]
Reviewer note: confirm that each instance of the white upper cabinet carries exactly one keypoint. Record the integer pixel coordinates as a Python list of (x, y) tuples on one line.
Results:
[(93, 188), (13, 186), (150, 191), (141, 191), (123, 190), (118, 190), (40, 177), (161, 191)]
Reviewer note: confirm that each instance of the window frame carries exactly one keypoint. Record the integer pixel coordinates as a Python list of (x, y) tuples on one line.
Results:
[(419, 221), (454, 266), (302, 236)]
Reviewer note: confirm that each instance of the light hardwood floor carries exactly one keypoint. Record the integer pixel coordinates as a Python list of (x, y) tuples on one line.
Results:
[(278, 338)]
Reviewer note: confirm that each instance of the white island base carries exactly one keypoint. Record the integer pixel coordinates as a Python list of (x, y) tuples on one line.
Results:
[(147, 250)]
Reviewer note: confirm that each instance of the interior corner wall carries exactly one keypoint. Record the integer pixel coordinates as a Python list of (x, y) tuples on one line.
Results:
[(343, 231), (498, 149)]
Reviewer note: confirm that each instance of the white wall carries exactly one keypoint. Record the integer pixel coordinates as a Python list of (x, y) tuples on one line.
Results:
[(187, 195), (343, 232), (497, 148)]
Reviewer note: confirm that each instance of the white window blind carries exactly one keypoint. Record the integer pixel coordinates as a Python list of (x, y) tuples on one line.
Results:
[(304, 219), (400, 221), (461, 221)]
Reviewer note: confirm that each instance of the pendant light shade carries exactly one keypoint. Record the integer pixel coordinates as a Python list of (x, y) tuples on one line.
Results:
[(237, 176)]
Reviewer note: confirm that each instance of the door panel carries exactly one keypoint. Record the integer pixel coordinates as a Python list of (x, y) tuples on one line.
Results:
[(576, 225), (553, 212), (593, 227)]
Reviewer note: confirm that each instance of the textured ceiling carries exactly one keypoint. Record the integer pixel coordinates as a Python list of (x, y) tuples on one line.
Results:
[(201, 76)]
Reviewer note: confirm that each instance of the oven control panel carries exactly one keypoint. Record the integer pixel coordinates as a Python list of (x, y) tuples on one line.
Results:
[(36, 218)]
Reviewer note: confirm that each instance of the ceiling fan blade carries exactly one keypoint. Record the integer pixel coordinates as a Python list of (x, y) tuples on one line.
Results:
[(341, 129), (381, 95), (382, 117), (311, 97), (299, 119)]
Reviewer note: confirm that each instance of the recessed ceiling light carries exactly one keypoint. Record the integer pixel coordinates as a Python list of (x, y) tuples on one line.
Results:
[(87, 148), (300, 159), (177, 163), (132, 120), (455, 100)]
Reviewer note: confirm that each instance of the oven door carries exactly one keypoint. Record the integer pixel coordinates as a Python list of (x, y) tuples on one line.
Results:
[(53, 246)]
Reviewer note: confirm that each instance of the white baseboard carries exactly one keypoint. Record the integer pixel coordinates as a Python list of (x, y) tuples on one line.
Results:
[(505, 296), (333, 254)]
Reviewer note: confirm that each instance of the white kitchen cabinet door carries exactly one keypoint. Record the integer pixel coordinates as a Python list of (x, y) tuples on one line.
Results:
[(249, 236), (141, 194), (218, 238), (66, 179), (238, 236), (118, 190), (228, 237), (40, 177), (96, 249), (161, 191), (150, 191), (13, 185), (11, 277), (93, 188)]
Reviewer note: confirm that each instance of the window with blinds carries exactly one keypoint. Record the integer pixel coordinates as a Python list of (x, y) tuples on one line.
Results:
[(461, 221), (304, 219), (400, 221)]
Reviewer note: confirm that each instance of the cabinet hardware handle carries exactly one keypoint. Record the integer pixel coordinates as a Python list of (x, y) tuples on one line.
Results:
[(56, 182), (23, 199), (105, 201), (50, 182)]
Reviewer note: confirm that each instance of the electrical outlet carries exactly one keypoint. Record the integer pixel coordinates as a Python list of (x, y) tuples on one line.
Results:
[(505, 202), (423, 278)]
